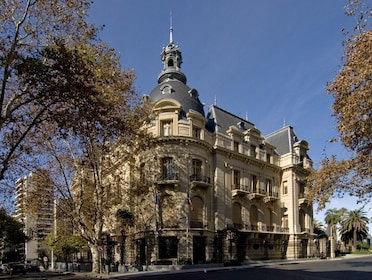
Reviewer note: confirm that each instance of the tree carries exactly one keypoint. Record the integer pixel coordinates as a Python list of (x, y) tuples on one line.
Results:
[(54, 72), (354, 227), (64, 246), (89, 179), (11, 236), (333, 217), (65, 96), (352, 109), (319, 229)]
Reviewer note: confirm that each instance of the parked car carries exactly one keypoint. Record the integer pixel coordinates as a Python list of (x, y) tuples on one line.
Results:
[(13, 268), (32, 267)]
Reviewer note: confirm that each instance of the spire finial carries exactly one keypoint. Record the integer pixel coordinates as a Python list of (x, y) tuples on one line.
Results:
[(171, 30)]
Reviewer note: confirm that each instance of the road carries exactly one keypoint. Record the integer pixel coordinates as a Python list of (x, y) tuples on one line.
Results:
[(346, 269), (359, 268)]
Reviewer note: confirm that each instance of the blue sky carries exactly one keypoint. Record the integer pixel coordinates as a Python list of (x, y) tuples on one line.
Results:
[(269, 60)]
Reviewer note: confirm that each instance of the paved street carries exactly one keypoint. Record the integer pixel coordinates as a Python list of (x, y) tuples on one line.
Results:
[(347, 268)]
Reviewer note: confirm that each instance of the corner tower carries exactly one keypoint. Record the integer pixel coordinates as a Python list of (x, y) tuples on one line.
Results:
[(172, 82)]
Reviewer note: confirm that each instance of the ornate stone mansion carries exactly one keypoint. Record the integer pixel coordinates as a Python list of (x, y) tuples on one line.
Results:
[(218, 190)]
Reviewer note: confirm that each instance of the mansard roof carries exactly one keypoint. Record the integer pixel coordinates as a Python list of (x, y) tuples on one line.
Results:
[(283, 139), (219, 120)]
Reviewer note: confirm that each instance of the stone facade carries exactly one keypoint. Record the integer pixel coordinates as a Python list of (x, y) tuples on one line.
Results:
[(212, 188)]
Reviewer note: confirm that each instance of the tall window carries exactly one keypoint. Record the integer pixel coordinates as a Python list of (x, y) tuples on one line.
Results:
[(166, 127), (236, 146), (196, 216), (285, 187), (236, 179), (269, 187), (301, 189), (268, 158), (167, 168), (268, 219), (253, 151), (196, 170), (301, 218), (253, 217), (237, 215), (196, 132), (254, 183)]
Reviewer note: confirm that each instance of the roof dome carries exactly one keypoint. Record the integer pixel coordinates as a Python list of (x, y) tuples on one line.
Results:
[(179, 91), (172, 82)]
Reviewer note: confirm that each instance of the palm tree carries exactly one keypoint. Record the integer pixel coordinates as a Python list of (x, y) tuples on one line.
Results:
[(354, 227), (319, 228), (333, 217)]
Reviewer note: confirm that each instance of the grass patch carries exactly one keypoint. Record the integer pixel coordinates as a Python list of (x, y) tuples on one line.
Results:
[(362, 253)]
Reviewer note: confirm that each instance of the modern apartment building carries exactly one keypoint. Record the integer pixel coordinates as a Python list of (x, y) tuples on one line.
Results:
[(35, 209), (217, 189)]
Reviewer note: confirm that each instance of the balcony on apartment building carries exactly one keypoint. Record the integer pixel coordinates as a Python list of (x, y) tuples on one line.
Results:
[(200, 181), (168, 179), (302, 199), (258, 227), (255, 193)]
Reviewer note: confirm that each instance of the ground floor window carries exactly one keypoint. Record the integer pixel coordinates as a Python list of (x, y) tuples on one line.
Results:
[(168, 247)]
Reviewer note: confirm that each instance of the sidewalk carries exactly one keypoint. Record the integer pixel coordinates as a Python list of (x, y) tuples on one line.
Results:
[(137, 274)]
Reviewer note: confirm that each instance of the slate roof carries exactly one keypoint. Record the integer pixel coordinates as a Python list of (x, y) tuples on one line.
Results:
[(180, 92), (283, 139), (220, 120)]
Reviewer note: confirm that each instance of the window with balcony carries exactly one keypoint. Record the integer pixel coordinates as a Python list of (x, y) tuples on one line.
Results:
[(254, 183), (196, 170), (166, 127), (236, 179), (167, 169), (269, 187)]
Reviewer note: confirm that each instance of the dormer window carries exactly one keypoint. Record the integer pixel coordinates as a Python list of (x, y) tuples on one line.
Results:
[(196, 132), (166, 89), (166, 128)]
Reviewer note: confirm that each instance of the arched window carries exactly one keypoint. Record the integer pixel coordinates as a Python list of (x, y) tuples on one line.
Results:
[(196, 215), (237, 215), (170, 63)]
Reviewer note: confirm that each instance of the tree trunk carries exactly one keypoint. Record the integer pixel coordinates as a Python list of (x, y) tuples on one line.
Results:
[(354, 240), (97, 257)]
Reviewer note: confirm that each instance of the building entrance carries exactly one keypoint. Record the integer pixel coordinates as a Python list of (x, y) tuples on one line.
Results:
[(198, 249)]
